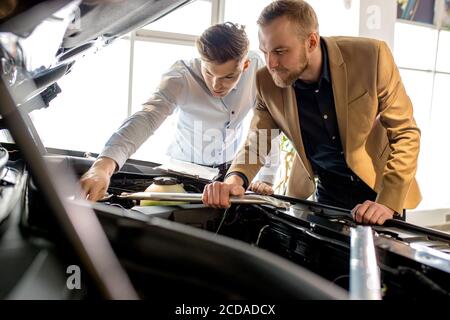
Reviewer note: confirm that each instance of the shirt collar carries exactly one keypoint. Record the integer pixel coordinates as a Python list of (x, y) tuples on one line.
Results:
[(324, 75)]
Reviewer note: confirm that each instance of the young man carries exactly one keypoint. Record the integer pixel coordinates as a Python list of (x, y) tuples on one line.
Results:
[(212, 94), (341, 101)]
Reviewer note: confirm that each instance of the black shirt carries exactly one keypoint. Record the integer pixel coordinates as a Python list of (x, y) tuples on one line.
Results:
[(318, 123), (338, 185)]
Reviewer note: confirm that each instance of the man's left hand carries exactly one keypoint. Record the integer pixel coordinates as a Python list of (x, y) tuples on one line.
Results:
[(372, 213), (261, 187)]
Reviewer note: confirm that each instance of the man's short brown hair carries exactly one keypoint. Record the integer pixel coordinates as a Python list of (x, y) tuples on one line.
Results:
[(223, 42), (298, 11)]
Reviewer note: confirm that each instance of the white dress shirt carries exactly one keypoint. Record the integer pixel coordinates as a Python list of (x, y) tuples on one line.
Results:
[(209, 130)]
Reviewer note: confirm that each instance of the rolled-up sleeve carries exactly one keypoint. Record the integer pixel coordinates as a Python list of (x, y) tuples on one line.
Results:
[(137, 128)]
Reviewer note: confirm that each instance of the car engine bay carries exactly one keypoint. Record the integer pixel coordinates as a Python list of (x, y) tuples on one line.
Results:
[(414, 262)]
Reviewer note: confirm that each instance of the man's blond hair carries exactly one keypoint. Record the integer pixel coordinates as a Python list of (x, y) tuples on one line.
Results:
[(298, 11)]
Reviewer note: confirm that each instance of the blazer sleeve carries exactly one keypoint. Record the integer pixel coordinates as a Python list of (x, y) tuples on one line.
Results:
[(137, 128), (396, 115), (251, 157)]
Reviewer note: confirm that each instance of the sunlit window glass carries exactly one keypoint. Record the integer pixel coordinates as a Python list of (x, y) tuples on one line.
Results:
[(415, 46), (443, 60), (193, 18), (91, 105)]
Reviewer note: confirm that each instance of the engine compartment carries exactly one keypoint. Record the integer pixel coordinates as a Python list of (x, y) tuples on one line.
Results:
[(189, 250), (167, 252), (414, 262)]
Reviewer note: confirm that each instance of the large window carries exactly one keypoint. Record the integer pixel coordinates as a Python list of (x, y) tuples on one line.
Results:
[(443, 54), (92, 104), (344, 11), (247, 13), (190, 19), (421, 52)]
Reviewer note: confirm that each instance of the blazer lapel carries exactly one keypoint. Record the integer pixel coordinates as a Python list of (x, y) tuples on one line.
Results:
[(338, 72)]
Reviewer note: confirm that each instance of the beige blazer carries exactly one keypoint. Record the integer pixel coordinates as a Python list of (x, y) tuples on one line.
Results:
[(379, 135)]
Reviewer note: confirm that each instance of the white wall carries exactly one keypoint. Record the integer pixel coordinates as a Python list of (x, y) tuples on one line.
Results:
[(377, 19)]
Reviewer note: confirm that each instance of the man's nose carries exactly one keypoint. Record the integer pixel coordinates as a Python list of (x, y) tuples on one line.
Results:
[(272, 61), (217, 84)]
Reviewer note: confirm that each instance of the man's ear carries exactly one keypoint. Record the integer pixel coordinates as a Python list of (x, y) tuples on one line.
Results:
[(313, 41), (246, 64)]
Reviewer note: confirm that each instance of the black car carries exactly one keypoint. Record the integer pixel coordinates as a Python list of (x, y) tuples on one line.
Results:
[(55, 245)]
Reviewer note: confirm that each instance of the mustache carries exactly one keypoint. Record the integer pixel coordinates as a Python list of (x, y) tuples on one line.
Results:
[(279, 70)]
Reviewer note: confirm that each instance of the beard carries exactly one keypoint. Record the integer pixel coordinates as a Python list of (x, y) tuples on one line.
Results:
[(284, 78)]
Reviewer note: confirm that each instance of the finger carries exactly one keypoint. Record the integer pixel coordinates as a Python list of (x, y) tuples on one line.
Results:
[(388, 216), (98, 193), (89, 191), (382, 219), (99, 189), (84, 192), (361, 211), (93, 189), (354, 210), (211, 196), (266, 189), (369, 213), (91, 195), (86, 185), (216, 193), (260, 188), (225, 196), (376, 216), (253, 187), (101, 194), (208, 192), (205, 195)]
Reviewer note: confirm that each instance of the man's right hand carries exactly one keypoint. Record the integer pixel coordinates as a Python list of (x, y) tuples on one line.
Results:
[(217, 194), (95, 181)]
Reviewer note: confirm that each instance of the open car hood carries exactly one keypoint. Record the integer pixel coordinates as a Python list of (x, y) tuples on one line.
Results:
[(40, 40)]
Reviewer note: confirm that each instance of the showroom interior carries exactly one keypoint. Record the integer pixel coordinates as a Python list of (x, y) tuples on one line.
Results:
[(77, 222)]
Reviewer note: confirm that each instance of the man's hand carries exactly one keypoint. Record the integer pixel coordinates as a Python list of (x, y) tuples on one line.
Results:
[(217, 194), (372, 213), (261, 187), (95, 181)]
